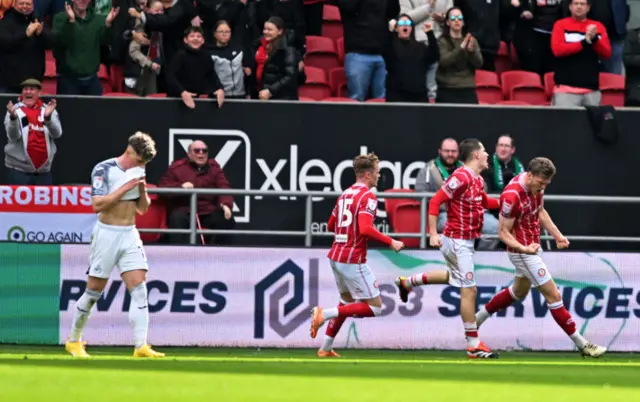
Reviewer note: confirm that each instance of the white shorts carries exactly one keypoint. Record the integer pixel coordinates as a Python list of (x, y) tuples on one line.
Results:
[(458, 255), (357, 279), (115, 245), (531, 266)]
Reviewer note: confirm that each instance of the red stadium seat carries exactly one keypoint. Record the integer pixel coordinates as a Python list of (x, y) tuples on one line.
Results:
[(49, 86), (338, 81), (331, 22), (155, 218), (390, 204), (488, 87), (503, 60), (120, 95), (612, 87), (116, 74), (524, 86), (340, 48), (305, 99), (549, 84), (340, 99), (105, 79), (50, 69), (321, 53), (513, 102), (48, 55), (160, 95), (407, 220), (316, 86)]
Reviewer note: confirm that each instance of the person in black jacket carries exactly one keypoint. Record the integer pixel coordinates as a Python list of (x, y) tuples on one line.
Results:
[(275, 71), (191, 72), (292, 14), (408, 61), (23, 41)]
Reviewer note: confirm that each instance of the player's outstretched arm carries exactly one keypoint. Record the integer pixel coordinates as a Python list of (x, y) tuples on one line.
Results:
[(505, 232), (547, 223), (490, 203), (366, 228), (102, 203), (144, 202)]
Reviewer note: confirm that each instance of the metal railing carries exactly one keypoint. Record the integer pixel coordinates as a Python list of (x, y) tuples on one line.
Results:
[(308, 234)]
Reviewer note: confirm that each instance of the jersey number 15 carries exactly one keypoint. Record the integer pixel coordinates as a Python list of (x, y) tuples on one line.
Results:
[(345, 217)]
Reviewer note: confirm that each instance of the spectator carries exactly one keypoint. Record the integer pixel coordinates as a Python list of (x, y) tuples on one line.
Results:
[(31, 127), (365, 39), (613, 15), (212, 11), (276, 64), (23, 41), (145, 62), (503, 166), (197, 170), (408, 61), (632, 67), (532, 39), (423, 12), (80, 32), (231, 62), (460, 56), (192, 72), (482, 20), (292, 15), (578, 44), (5, 5)]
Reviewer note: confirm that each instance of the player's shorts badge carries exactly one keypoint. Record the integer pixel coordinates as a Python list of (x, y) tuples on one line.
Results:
[(542, 272), (469, 276), (375, 284)]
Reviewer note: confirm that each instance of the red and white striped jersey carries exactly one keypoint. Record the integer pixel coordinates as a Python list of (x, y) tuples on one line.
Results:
[(349, 246), (465, 210), (516, 202)]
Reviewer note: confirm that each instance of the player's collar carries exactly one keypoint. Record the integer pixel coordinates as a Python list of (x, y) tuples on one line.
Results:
[(474, 174), (522, 183)]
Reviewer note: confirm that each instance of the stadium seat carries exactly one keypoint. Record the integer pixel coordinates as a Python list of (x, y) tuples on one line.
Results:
[(390, 204), (523, 86), (306, 99), (612, 87), (49, 81), (120, 95), (48, 55), (316, 86), (321, 53), (331, 22), (503, 60), (339, 99), (116, 74), (407, 220), (488, 87), (338, 81), (155, 218), (105, 79), (340, 48), (513, 102), (50, 68), (549, 84), (159, 95)]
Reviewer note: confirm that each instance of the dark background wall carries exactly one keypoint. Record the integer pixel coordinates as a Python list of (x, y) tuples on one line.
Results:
[(325, 137)]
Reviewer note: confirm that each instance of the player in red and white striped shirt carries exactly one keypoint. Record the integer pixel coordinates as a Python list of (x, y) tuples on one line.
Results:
[(352, 223), (521, 215), (466, 201)]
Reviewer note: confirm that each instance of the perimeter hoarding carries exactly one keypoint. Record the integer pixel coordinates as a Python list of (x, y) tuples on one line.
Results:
[(256, 297)]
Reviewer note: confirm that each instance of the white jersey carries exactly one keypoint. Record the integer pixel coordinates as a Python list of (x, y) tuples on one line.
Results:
[(107, 177)]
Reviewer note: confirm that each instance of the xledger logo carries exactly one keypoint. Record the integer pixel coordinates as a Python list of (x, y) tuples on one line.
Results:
[(231, 149), (18, 234), (294, 286)]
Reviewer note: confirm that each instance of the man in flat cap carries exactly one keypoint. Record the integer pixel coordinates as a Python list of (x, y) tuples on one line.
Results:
[(31, 126)]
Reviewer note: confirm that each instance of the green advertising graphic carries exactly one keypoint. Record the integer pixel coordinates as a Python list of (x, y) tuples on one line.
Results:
[(29, 293)]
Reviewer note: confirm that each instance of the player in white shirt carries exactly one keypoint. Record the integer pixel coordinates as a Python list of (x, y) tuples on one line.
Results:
[(118, 192)]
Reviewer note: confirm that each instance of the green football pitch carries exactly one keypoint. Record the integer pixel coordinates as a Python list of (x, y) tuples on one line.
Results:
[(39, 373)]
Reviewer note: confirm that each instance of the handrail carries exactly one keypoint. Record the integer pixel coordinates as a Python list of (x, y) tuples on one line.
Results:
[(308, 234)]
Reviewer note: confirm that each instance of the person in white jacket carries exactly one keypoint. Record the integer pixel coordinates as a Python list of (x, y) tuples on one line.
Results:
[(422, 12)]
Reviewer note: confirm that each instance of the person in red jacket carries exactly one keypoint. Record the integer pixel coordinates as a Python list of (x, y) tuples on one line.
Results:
[(197, 170), (579, 44)]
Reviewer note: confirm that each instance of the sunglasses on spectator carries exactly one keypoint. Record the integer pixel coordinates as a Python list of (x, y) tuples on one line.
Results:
[(456, 17), (405, 22), (200, 150)]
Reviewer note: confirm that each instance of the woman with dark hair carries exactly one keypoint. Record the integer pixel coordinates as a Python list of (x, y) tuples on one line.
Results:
[(275, 64), (408, 61), (231, 62), (460, 57)]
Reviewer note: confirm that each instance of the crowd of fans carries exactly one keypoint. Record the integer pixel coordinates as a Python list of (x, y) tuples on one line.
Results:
[(398, 50)]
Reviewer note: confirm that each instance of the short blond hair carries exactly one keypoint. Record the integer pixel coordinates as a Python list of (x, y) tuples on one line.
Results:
[(364, 163), (143, 145)]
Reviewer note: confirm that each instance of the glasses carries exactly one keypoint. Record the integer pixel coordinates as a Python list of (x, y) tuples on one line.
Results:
[(456, 17), (224, 32), (200, 150), (402, 23)]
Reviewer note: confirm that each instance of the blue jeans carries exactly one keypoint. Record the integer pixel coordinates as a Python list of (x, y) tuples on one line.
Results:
[(79, 86), (364, 71), (490, 226), (18, 178), (614, 64)]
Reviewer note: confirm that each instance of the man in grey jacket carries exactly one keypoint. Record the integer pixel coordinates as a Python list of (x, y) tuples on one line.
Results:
[(31, 127), (436, 172)]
